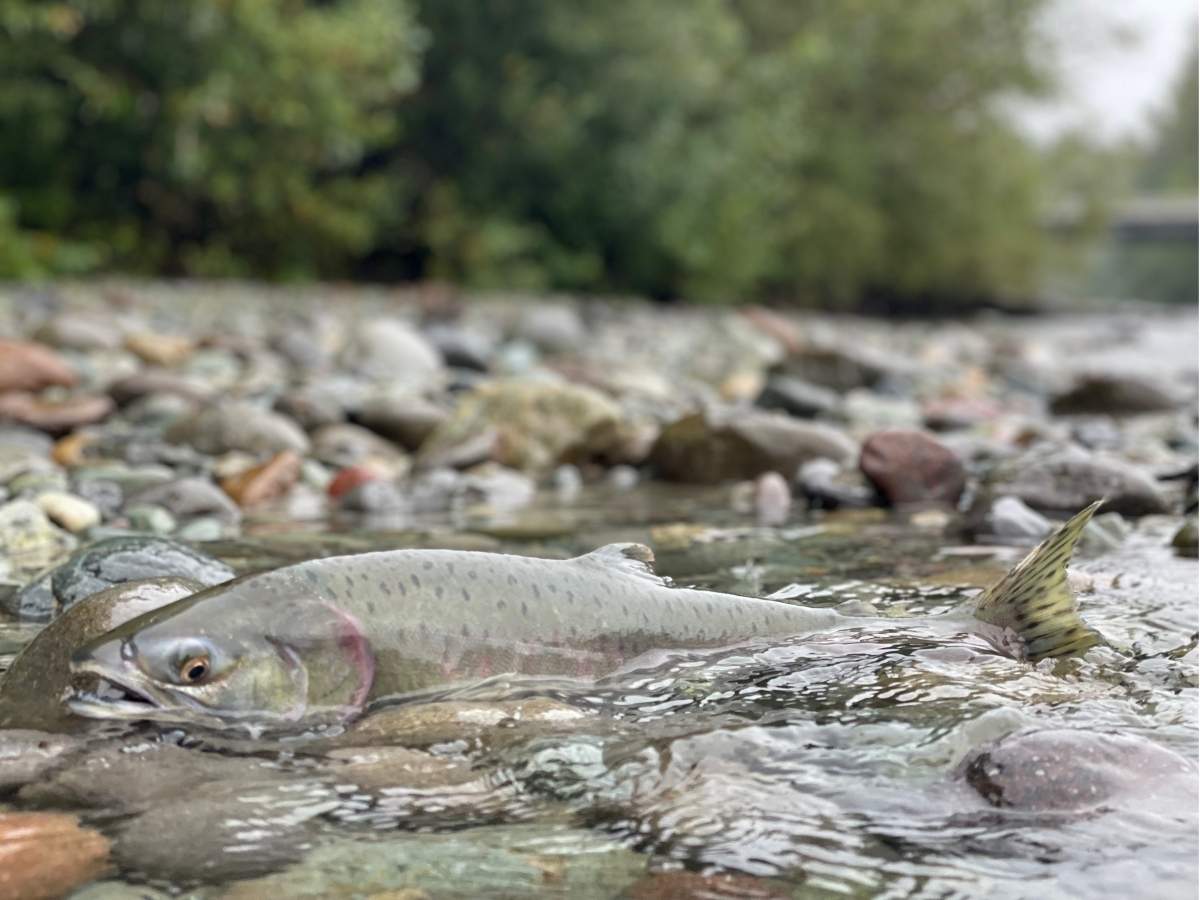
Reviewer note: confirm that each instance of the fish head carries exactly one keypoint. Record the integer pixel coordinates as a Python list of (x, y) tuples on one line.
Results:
[(178, 665)]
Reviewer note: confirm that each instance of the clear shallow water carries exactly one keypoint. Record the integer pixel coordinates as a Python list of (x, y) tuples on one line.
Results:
[(825, 767)]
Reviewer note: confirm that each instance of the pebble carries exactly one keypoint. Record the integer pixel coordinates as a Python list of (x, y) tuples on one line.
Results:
[(28, 366), (912, 467), (388, 350), (352, 445), (269, 481), (552, 328), (828, 485), (772, 499), (79, 331), (733, 444), (404, 418), (1187, 539), (29, 541), (189, 497), (239, 425), (44, 855), (1011, 520), (206, 528), (54, 416), (797, 397), (68, 511), (160, 349), (151, 518), (1114, 394)]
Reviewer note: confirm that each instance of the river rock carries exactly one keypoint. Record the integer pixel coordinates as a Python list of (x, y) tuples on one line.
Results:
[(53, 416), (912, 467), (68, 511), (404, 418), (44, 855), (461, 347), (29, 542), (79, 331), (313, 406), (27, 366), (1187, 539), (117, 560), (1114, 394), (129, 777), (239, 425), (828, 485), (158, 381), (32, 689), (230, 830), (490, 861), (1063, 481), (552, 328), (1010, 520), (1068, 770), (27, 756), (268, 481), (23, 450), (188, 497), (797, 397), (526, 424), (389, 350), (159, 349), (352, 445), (843, 367), (732, 444)]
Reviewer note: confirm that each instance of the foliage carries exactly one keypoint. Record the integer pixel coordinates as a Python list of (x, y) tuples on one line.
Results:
[(218, 136), (815, 151)]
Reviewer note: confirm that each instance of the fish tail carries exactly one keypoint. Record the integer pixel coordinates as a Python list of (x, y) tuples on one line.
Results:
[(1034, 601)]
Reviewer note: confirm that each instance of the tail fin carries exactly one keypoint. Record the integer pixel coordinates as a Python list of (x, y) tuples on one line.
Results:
[(1034, 600)]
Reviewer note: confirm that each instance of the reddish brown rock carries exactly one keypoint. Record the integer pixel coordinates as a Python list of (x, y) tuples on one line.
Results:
[(54, 416), (681, 885), (272, 479), (912, 467), (26, 366), (349, 478), (46, 855)]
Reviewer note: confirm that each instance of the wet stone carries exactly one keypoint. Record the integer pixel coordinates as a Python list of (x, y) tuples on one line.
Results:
[(733, 444), (54, 416), (120, 559), (26, 755), (150, 518), (1114, 394), (29, 541), (912, 467), (45, 855), (798, 398), (1187, 539), (1064, 481), (68, 511), (1068, 770)]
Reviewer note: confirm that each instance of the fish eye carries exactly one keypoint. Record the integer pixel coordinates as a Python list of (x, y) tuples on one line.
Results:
[(195, 669)]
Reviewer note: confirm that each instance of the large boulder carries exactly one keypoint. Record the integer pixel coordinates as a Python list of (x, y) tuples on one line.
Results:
[(725, 444)]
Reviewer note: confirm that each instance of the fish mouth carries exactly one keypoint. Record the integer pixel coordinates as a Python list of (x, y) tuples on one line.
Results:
[(98, 694)]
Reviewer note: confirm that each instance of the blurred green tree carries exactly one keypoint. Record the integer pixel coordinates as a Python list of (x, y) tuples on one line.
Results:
[(210, 136)]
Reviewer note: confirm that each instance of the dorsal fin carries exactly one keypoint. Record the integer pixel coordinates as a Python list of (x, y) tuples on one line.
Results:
[(629, 559), (1035, 601)]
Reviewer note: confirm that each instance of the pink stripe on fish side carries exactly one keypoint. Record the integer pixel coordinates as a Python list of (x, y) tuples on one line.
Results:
[(353, 640)]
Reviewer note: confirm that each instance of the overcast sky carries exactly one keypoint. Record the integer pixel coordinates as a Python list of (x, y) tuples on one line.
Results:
[(1118, 60)]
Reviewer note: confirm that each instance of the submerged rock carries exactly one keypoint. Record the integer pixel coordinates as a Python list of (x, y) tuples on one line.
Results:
[(26, 756), (32, 689), (912, 467), (828, 485), (44, 855), (502, 861), (1068, 770), (734, 444)]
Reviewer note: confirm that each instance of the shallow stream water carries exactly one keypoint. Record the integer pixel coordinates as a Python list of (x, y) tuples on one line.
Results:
[(831, 766)]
